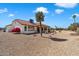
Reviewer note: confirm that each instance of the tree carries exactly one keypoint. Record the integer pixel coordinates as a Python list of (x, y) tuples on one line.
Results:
[(74, 17), (40, 18), (74, 24)]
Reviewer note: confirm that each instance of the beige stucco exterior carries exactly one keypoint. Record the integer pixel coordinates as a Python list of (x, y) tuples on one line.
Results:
[(16, 24), (24, 28)]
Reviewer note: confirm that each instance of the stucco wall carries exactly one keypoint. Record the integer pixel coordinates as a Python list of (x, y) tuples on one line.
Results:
[(16, 24)]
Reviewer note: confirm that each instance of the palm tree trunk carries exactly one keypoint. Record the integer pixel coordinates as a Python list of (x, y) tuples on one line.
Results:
[(75, 24), (74, 21), (40, 29)]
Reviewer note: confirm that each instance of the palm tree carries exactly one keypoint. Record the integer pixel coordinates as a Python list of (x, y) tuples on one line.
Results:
[(74, 24), (74, 17), (40, 18)]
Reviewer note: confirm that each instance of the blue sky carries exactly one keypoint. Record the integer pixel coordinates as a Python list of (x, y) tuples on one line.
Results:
[(56, 14)]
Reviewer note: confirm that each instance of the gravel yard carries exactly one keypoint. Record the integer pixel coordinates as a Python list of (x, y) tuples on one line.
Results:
[(33, 45)]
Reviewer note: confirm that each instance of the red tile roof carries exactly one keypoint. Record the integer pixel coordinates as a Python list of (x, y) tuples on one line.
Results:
[(23, 22)]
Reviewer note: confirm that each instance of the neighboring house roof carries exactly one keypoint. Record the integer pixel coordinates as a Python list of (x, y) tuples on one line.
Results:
[(23, 22)]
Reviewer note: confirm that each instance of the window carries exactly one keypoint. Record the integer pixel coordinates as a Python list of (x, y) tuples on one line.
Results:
[(25, 28)]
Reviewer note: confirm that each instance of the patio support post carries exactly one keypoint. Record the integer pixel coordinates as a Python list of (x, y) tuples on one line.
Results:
[(27, 28), (47, 29)]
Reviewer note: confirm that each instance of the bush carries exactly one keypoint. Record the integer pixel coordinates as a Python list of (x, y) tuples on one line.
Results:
[(72, 27), (16, 30)]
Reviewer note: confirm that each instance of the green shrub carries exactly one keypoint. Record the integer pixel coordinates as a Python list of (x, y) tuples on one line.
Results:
[(72, 27)]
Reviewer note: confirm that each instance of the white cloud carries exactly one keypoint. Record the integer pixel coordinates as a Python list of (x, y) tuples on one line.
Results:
[(3, 10), (59, 11), (66, 5), (76, 14), (11, 15), (42, 9)]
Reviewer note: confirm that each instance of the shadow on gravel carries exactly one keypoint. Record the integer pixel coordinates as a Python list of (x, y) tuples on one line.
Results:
[(58, 39)]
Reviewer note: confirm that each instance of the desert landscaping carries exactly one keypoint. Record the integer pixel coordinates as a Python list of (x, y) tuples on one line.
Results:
[(34, 45)]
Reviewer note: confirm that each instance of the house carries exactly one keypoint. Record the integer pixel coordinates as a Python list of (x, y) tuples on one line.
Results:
[(25, 26)]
